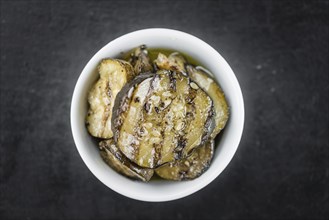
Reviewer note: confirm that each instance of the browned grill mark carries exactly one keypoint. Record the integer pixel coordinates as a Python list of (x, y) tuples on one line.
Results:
[(208, 122), (172, 80), (147, 107), (181, 144)]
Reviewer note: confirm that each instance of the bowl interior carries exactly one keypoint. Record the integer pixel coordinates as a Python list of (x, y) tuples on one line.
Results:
[(158, 190)]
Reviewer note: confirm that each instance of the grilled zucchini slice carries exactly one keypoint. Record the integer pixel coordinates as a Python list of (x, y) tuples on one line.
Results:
[(168, 115), (190, 167), (141, 60), (113, 76), (175, 62), (208, 84), (115, 159)]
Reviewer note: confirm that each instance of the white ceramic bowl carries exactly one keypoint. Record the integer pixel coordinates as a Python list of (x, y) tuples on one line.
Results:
[(157, 191)]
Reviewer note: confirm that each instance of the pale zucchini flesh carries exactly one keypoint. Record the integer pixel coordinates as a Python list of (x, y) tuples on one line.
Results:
[(114, 74), (174, 62)]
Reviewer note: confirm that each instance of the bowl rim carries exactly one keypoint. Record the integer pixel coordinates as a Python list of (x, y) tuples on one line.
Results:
[(74, 121)]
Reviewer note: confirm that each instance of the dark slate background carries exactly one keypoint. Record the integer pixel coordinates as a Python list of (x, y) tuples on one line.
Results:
[(279, 52)]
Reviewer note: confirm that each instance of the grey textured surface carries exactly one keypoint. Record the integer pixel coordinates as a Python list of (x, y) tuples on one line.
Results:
[(279, 52)]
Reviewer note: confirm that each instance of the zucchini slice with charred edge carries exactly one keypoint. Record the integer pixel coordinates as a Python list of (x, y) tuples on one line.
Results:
[(177, 62), (208, 84), (115, 159), (161, 119), (140, 60), (113, 76), (190, 167)]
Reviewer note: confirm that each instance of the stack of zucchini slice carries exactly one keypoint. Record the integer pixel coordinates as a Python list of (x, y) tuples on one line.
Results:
[(156, 116)]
